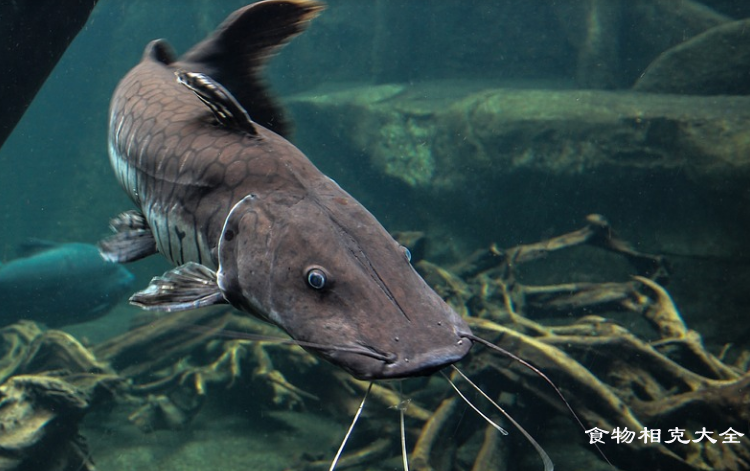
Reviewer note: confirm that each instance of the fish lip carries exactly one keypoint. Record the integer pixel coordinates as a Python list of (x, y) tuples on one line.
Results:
[(421, 364), (427, 363)]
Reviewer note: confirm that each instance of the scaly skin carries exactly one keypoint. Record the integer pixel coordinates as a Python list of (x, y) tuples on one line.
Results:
[(184, 171)]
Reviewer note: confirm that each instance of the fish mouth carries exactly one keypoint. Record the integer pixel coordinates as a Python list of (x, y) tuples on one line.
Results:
[(367, 363)]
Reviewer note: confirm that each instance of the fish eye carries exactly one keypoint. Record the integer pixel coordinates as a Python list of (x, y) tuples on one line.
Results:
[(407, 254), (316, 278)]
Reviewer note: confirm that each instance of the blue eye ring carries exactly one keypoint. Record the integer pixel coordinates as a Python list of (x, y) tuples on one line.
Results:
[(407, 253), (316, 278)]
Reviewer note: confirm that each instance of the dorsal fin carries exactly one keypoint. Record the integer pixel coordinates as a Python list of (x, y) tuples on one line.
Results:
[(159, 50), (227, 111), (236, 52), (33, 246)]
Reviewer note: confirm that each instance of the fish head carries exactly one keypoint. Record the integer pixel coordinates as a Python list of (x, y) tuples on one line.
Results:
[(325, 271), (96, 284), (85, 262)]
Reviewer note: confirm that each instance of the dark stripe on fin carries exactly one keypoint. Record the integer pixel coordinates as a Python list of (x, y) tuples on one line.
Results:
[(227, 111), (133, 239), (188, 286), (128, 220), (237, 51)]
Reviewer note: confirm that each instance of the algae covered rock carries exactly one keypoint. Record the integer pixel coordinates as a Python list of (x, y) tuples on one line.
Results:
[(474, 163), (584, 132), (39, 417), (441, 136)]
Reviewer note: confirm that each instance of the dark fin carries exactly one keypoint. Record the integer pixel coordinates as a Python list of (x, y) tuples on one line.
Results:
[(159, 50), (128, 221), (236, 52), (186, 287), (31, 246), (133, 239), (227, 111), (129, 246)]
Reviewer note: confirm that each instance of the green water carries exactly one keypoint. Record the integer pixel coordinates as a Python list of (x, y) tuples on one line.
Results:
[(476, 122)]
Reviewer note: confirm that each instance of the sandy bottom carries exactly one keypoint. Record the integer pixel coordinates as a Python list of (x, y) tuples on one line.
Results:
[(241, 442)]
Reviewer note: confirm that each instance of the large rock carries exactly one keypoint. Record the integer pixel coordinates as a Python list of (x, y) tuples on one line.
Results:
[(440, 136), (615, 40), (454, 160), (716, 62)]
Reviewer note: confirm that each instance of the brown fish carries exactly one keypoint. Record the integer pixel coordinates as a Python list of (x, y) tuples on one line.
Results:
[(250, 221)]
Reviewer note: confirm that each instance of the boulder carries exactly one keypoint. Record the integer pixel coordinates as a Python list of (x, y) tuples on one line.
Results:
[(465, 159), (716, 62), (440, 136), (615, 40)]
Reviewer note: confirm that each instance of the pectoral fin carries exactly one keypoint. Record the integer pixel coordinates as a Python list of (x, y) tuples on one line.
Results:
[(225, 108), (133, 239), (188, 286)]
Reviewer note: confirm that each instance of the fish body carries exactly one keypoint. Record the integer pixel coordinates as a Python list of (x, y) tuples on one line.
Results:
[(61, 284), (247, 218)]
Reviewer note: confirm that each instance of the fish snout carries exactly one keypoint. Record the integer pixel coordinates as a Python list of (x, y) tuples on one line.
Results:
[(371, 364), (424, 363)]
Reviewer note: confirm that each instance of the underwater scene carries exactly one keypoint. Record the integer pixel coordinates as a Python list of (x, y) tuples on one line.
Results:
[(375, 235)]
